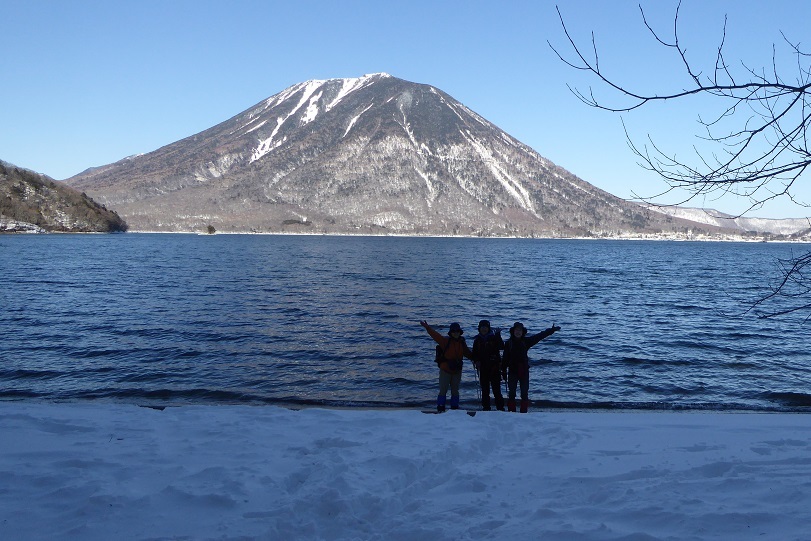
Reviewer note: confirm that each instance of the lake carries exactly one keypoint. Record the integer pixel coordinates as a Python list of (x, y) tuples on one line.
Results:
[(163, 319)]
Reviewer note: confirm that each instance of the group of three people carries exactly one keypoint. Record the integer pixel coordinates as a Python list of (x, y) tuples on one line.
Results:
[(486, 355)]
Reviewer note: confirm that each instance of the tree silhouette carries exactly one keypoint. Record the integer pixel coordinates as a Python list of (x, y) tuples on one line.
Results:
[(758, 139)]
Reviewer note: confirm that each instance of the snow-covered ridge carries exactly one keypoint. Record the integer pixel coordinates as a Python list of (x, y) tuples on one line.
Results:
[(786, 226)]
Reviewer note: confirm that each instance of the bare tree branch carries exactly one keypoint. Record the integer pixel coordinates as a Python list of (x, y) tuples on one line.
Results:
[(759, 139), (795, 284)]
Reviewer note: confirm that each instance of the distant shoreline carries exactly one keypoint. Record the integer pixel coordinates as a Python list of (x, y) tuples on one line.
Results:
[(671, 237), (630, 237)]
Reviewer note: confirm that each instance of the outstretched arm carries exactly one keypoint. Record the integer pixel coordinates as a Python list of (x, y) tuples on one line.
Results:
[(434, 334), (535, 338)]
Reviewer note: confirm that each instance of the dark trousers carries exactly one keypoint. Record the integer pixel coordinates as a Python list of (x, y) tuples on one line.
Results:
[(491, 379), (521, 375)]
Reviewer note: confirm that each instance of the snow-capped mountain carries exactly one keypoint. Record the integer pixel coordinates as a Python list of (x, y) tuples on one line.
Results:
[(373, 154), (743, 224)]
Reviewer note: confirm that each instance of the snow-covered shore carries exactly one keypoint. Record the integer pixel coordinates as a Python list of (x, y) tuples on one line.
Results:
[(107, 471)]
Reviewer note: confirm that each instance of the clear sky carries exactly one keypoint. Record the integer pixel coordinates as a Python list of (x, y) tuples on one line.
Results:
[(87, 82)]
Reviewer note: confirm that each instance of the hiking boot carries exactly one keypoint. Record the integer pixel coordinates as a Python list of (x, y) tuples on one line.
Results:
[(440, 403)]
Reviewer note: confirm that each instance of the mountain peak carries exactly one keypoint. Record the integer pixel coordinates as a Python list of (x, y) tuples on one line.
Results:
[(312, 86), (364, 77), (372, 154)]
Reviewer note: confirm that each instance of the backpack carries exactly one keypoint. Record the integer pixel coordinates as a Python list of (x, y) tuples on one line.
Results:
[(453, 365), (488, 349), (440, 355)]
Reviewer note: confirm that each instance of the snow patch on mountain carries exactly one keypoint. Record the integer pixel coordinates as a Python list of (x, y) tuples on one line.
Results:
[(312, 109), (217, 168), (407, 128), (251, 119), (355, 119), (512, 186), (255, 127), (452, 108), (310, 88), (465, 112), (284, 95), (476, 117), (351, 85), (265, 146), (432, 191), (311, 94)]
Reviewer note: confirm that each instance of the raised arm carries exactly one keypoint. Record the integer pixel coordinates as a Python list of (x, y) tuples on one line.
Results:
[(441, 340), (535, 338)]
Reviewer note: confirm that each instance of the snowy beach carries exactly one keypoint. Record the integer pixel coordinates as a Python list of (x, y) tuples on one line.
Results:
[(96, 471)]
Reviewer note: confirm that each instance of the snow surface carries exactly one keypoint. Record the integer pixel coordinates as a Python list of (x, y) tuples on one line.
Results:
[(94, 471)]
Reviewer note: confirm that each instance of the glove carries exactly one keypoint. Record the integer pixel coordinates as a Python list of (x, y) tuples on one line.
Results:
[(555, 328)]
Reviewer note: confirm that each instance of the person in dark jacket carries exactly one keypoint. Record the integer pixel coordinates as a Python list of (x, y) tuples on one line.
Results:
[(487, 360), (454, 348), (517, 361)]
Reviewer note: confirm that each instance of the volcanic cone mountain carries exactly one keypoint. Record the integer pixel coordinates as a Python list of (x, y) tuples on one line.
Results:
[(374, 154)]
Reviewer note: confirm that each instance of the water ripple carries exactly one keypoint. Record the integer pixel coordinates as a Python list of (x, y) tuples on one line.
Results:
[(159, 319)]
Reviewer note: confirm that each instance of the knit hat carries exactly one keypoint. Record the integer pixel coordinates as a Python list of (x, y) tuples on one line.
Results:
[(518, 325)]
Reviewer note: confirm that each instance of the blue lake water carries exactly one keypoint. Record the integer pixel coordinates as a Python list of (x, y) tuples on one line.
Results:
[(333, 321)]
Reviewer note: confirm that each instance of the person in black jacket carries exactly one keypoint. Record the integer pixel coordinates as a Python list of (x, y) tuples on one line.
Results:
[(487, 359), (516, 360)]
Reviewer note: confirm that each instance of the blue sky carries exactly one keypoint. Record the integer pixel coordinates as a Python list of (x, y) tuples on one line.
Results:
[(86, 83)]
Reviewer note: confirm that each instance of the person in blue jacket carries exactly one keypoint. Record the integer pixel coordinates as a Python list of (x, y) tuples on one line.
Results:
[(515, 366)]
